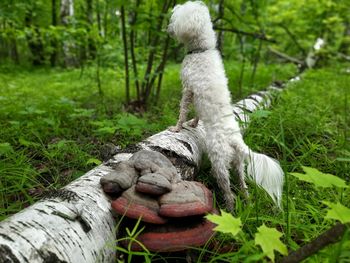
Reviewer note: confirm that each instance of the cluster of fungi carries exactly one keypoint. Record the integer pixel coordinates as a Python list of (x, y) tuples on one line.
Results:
[(171, 210)]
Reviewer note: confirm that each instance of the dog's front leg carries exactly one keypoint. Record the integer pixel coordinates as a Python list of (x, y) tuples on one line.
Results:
[(186, 100)]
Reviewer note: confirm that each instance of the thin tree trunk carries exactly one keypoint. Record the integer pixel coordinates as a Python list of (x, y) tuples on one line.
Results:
[(221, 33), (66, 14), (146, 87), (98, 78), (75, 224), (53, 56), (34, 40), (126, 59), (132, 50), (105, 19), (90, 21), (160, 69), (241, 74), (14, 50), (256, 60)]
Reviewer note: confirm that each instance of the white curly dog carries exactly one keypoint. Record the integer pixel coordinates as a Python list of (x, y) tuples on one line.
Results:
[(205, 84)]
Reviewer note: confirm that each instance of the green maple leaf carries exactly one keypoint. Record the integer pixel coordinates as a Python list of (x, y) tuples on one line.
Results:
[(226, 223), (269, 240), (320, 179), (338, 212)]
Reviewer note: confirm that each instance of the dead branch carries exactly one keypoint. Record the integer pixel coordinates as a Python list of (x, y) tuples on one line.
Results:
[(251, 34), (331, 236), (285, 56), (293, 38)]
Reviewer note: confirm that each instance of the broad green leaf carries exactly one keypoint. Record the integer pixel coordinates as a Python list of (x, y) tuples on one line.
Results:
[(5, 148), (80, 113), (226, 223), (338, 212), (93, 161), (106, 130), (261, 114), (269, 240), (320, 179), (26, 143)]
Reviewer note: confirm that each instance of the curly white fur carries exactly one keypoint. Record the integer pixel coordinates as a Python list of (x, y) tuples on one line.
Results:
[(205, 84)]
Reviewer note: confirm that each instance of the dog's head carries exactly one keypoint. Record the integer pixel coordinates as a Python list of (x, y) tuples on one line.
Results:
[(189, 20)]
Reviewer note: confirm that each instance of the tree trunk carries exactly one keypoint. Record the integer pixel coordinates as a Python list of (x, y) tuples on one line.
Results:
[(14, 50), (126, 60), (221, 10), (90, 21), (34, 40), (105, 19), (66, 14), (75, 224), (133, 20), (53, 56), (146, 86)]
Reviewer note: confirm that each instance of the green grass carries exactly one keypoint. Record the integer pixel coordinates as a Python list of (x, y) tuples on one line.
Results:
[(308, 125), (54, 127)]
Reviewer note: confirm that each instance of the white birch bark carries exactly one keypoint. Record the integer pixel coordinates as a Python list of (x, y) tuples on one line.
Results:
[(66, 14), (82, 229), (312, 57)]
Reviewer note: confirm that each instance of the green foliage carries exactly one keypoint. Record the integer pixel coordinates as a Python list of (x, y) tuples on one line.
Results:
[(127, 128), (308, 20), (338, 212), (320, 179), (226, 223), (5, 149), (130, 238), (269, 240)]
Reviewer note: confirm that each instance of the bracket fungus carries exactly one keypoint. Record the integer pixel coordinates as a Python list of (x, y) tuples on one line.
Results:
[(171, 210)]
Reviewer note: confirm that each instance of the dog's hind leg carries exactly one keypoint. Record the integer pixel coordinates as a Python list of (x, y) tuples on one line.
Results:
[(222, 176), (238, 164)]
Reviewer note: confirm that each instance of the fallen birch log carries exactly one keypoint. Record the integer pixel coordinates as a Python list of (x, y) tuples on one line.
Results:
[(75, 224)]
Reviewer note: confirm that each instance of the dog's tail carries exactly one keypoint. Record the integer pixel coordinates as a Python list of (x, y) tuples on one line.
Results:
[(267, 173)]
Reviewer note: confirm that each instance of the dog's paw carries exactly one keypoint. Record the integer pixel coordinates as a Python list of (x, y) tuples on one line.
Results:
[(174, 128), (230, 199), (193, 123)]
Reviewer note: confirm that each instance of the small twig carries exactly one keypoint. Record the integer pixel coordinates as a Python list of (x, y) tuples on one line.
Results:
[(252, 34), (286, 57), (343, 56), (331, 236), (293, 38)]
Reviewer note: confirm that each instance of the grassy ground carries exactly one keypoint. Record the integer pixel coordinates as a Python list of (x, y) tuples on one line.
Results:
[(307, 126), (55, 127)]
